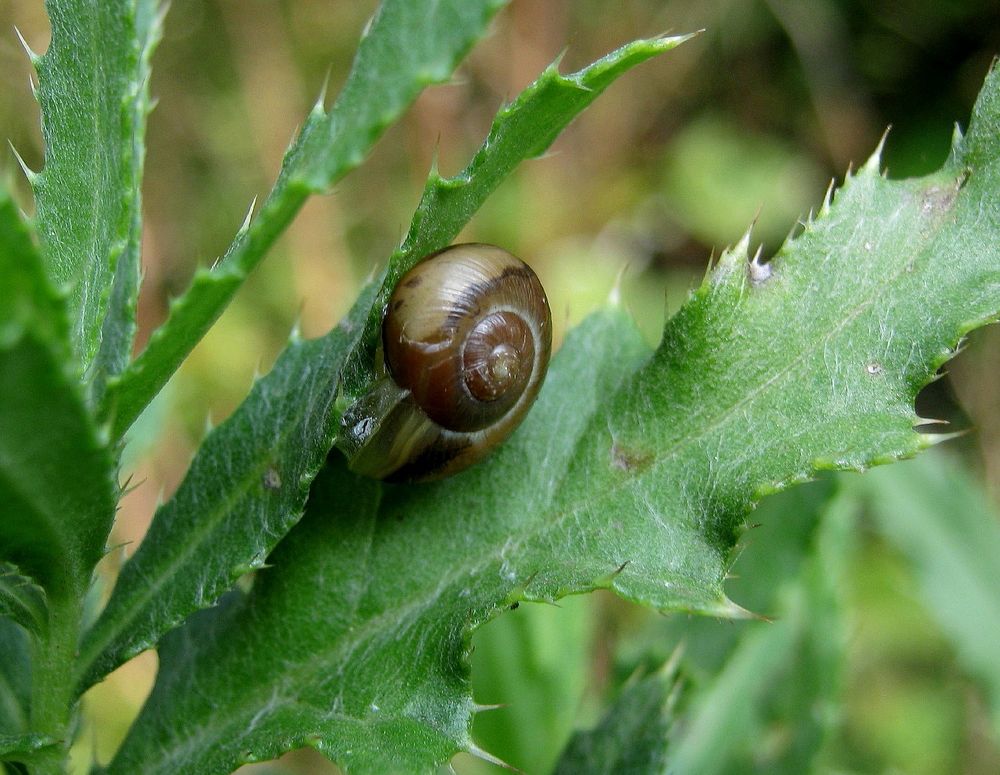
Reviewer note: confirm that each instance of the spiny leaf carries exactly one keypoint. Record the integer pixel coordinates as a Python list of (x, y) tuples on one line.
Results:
[(759, 385), (522, 130), (213, 500), (404, 706), (119, 326), (53, 534), (92, 92), (245, 488), (405, 47), (632, 737), (630, 474), (57, 484)]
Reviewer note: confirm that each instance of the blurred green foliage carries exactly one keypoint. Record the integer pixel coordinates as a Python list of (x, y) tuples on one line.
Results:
[(749, 121)]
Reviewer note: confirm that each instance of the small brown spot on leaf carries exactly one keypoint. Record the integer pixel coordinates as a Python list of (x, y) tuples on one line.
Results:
[(873, 368), (937, 201), (414, 281), (271, 479), (626, 459)]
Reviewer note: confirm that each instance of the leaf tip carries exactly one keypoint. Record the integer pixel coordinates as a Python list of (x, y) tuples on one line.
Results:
[(243, 568), (669, 668), (607, 581), (553, 68), (743, 246), (319, 106)]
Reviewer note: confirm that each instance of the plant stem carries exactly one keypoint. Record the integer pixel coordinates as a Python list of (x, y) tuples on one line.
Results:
[(52, 698)]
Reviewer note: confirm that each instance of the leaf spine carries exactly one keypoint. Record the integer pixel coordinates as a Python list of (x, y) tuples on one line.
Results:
[(245, 226), (933, 439), (827, 199), (32, 56), (615, 296), (319, 106), (918, 420), (295, 334), (480, 708), (758, 272), (29, 173), (486, 756), (873, 165), (956, 137), (731, 258)]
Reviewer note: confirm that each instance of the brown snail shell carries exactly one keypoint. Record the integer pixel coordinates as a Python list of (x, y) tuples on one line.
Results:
[(466, 340)]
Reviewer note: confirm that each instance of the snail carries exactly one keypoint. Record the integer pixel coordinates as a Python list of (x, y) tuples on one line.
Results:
[(466, 340)]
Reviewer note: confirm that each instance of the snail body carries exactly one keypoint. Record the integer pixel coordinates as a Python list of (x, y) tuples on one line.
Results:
[(466, 340)]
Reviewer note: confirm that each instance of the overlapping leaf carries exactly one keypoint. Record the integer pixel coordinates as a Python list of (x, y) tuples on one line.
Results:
[(57, 494), (289, 670), (521, 130), (405, 47), (282, 432), (632, 737), (201, 540), (56, 475), (244, 490), (93, 95)]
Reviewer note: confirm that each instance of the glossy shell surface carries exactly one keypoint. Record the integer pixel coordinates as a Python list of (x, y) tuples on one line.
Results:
[(466, 341)]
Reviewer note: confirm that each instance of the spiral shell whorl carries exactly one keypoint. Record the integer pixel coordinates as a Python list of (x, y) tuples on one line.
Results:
[(466, 339), (468, 333)]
